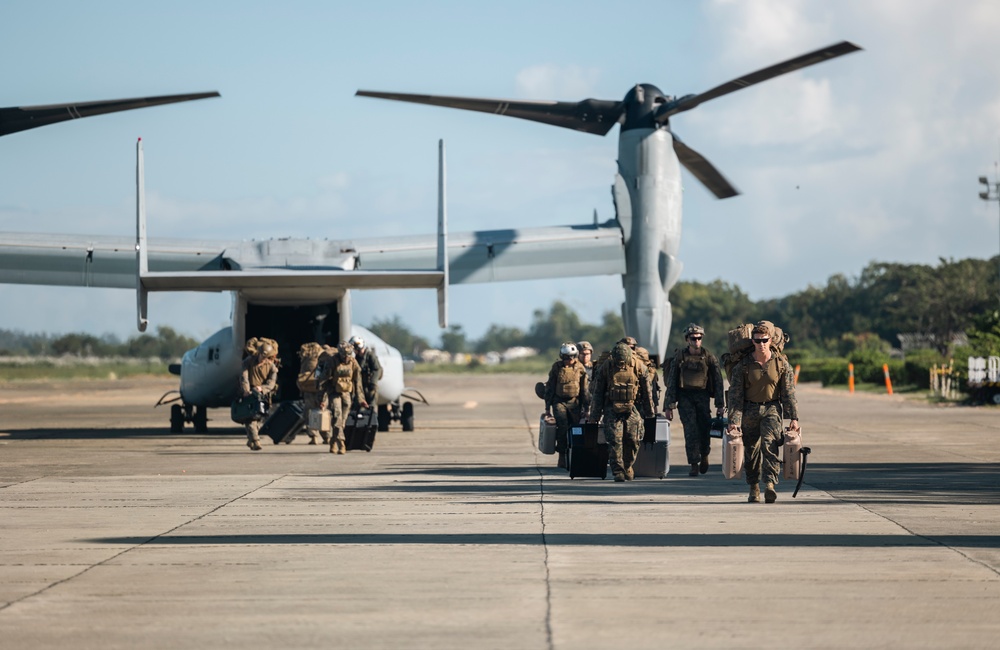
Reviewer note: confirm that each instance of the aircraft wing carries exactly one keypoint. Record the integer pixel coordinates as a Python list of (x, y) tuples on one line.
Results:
[(505, 255), (479, 256)]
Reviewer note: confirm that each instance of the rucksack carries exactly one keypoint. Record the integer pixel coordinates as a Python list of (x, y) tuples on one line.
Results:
[(741, 344), (309, 355)]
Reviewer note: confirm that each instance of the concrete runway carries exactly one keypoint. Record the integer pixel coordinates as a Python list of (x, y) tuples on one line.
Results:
[(118, 534)]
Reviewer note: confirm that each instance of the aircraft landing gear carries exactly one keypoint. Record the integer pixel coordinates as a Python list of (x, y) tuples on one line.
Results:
[(180, 414), (395, 412), (176, 419), (407, 418)]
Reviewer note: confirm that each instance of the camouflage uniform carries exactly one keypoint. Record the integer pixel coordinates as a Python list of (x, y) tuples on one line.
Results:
[(691, 381), (567, 396), (759, 396), (260, 375), (371, 372), (314, 397), (344, 388), (622, 396)]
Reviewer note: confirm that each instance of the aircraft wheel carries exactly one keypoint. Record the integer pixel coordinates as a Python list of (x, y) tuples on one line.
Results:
[(383, 417), (407, 418), (996, 397), (176, 419), (201, 419)]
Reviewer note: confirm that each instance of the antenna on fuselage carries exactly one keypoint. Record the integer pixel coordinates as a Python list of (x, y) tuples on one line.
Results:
[(141, 253), (442, 253)]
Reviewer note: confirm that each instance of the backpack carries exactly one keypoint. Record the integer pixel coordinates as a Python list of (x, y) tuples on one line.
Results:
[(308, 379), (740, 345)]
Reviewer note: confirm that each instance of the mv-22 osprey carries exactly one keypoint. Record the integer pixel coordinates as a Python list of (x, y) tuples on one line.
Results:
[(647, 187), (291, 290)]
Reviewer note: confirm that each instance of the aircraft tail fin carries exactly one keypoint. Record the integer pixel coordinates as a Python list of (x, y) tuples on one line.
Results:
[(442, 251), (141, 247)]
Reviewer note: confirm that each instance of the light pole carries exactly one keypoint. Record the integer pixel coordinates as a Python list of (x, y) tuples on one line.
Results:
[(989, 191)]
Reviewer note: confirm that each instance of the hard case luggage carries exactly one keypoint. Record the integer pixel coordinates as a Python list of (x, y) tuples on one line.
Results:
[(284, 422), (247, 409), (360, 429), (320, 419), (654, 451), (732, 454), (588, 451), (547, 434), (791, 460)]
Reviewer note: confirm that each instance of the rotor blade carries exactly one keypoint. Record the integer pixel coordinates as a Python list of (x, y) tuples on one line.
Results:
[(791, 65), (22, 118), (595, 116), (704, 171)]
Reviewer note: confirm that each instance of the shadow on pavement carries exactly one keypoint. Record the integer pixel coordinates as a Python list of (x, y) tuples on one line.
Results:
[(577, 539)]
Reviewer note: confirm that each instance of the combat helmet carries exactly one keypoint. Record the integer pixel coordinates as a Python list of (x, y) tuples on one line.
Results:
[(357, 342), (629, 341), (266, 350), (621, 354), (346, 350), (585, 346), (693, 328), (568, 351)]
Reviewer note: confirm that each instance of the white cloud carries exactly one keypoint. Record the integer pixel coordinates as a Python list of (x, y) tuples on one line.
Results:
[(564, 83)]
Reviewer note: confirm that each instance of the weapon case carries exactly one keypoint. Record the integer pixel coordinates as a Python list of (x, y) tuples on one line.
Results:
[(284, 422), (588, 451)]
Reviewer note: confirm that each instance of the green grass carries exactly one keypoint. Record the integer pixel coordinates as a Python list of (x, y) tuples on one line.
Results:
[(98, 370)]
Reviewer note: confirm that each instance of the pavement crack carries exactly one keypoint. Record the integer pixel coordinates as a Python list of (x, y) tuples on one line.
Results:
[(135, 546), (924, 537), (541, 515)]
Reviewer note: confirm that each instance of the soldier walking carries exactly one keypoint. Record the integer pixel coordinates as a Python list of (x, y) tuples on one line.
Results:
[(761, 393), (693, 378), (622, 397), (259, 376), (344, 389), (371, 369), (566, 396)]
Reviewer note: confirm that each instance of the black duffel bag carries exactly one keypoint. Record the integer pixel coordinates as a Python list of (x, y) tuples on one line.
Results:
[(248, 408)]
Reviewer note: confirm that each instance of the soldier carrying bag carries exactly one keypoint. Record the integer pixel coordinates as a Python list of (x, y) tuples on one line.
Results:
[(248, 408)]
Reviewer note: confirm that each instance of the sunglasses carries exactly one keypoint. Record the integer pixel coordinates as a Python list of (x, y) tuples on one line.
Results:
[(695, 338), (761, 341)]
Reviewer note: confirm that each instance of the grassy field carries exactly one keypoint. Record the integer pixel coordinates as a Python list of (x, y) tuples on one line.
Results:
[(20, 370)]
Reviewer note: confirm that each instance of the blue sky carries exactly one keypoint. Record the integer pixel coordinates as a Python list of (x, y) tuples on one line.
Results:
[(871, 156)]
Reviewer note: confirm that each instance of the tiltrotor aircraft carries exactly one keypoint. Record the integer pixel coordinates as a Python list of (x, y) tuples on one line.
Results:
[(647, 188)]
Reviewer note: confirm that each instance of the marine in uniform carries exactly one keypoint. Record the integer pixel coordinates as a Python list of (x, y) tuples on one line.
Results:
[(587, 358), (310, 383), (654, 378), (694, 377), (344, 389), (566, 396), (371, 369), (761, 393), (260, 376), (621, 396)]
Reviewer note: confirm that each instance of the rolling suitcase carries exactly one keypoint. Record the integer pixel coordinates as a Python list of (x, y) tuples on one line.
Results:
[(360, 429), (654, 450), (588, 451), (284, 422), (547, 434)]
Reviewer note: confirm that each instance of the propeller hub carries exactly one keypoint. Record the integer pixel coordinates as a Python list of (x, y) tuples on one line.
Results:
[(641, 104)]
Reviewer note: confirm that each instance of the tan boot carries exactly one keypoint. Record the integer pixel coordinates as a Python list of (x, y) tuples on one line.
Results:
[(341, 447), (770, 496), (754, 494), (254, 445), (619, 477), (629, 474), (703, 468), (694, 470)]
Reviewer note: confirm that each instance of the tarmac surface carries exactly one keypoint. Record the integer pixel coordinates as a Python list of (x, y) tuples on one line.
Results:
[(117, 534)]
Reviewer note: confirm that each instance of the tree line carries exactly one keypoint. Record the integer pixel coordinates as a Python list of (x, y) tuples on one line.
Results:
[(166, 344)]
